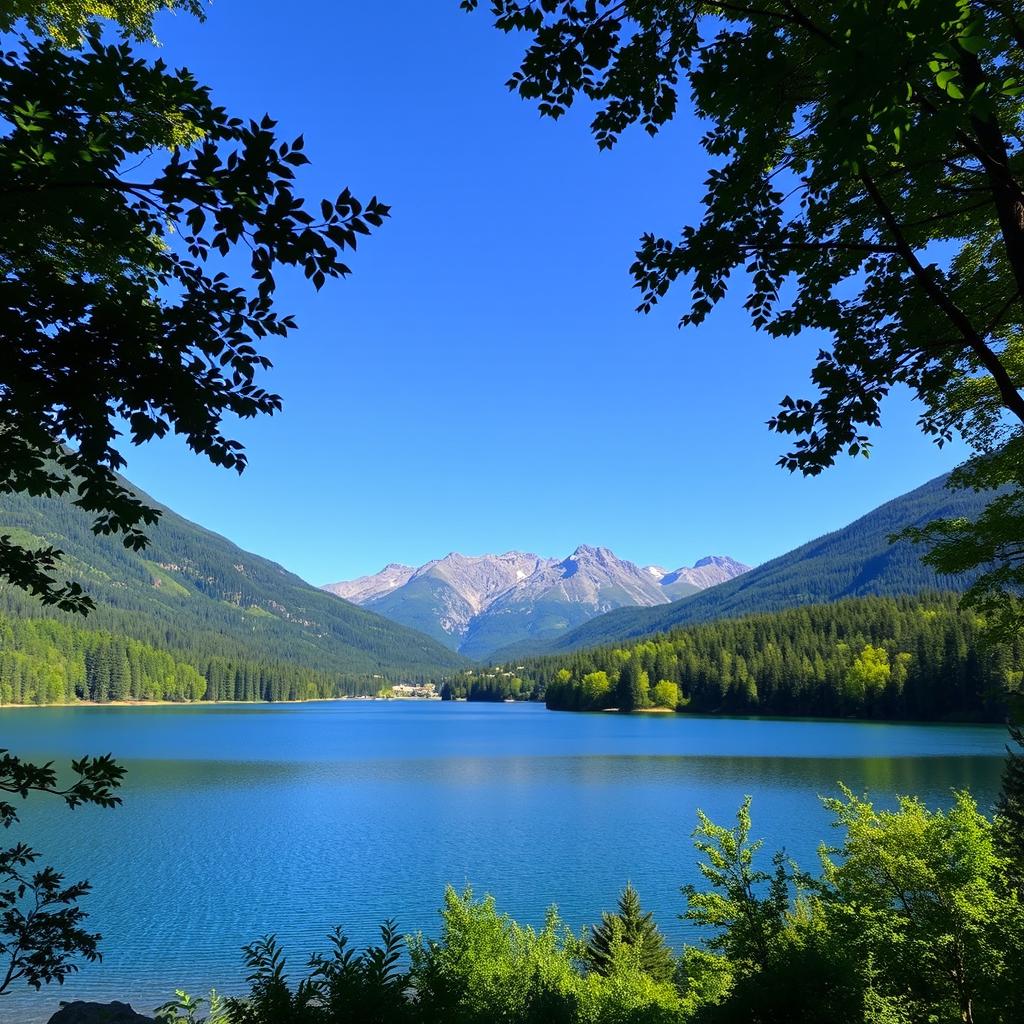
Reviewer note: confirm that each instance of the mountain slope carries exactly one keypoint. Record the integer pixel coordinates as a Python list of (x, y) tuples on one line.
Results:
[(476, 604), (854, 561), (195, 593)]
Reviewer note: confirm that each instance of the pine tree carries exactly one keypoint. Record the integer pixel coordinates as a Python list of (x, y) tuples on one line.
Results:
[(634, 686), (1010, 806), (631, 927), (120, 674), (624, 687)]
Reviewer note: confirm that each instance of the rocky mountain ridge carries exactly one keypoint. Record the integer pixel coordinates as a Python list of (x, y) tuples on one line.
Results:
[(857, 560), (478, 603)]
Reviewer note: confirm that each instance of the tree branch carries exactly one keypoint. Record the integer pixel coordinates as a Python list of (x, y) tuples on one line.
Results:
[(1016, 30), (1007, 195), (1012, 399), (866, 247)]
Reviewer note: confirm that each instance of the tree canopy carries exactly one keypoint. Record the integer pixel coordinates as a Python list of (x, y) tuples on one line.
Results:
[(864, 183), (67, 20), (131, 204)]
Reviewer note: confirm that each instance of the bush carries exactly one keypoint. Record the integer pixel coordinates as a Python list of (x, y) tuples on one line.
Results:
[(914, 917)]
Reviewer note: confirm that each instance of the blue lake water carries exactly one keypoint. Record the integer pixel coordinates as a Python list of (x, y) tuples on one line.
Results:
[(239, 820)]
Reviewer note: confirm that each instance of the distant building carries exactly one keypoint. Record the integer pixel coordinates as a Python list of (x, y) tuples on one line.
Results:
[(409, 691)]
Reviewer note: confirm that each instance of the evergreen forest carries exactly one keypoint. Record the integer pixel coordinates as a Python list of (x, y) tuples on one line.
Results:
[(872, 657), (44, 661), (191, 617)]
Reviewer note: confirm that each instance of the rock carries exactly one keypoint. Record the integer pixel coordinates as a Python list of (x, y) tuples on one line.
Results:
[(98, 1013)]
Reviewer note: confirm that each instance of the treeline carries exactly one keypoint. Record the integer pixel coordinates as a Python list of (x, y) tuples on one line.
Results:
[(940, 940), (874, 657), (489, 685), (46, 661)]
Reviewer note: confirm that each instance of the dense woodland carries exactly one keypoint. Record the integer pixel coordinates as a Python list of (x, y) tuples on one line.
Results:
[(877, 657), (191, 605), (489, 684), (873, 657), (43, 661)]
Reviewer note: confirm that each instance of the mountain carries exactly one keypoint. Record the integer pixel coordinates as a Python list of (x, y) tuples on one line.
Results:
[(707, 572), (478, 603), (855, 561), (194, 593), (443, 597), (366, 588)]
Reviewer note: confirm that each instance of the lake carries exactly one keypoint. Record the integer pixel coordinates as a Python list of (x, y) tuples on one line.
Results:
[(239, 820)]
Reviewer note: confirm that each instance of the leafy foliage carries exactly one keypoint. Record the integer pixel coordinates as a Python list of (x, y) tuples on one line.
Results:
[(994, 539), (67, 20), (913, 917), (484, 966), (118, 288), (369, 984), (744, 911), (187, 1008), (42, 932), (1010, 808), (931, 886)]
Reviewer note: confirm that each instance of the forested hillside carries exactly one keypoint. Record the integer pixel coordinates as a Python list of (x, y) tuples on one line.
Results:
[(873, 657), (247, 626), (855, 561), (43, 661)]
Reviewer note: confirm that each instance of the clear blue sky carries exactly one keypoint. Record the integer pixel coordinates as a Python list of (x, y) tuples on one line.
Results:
[(481, 382)]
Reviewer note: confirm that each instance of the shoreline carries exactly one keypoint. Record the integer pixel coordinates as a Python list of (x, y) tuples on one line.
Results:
[(215, 703)]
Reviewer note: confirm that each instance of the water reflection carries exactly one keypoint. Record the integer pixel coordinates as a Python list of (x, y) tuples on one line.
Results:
[(930, 777), (249, 830)]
